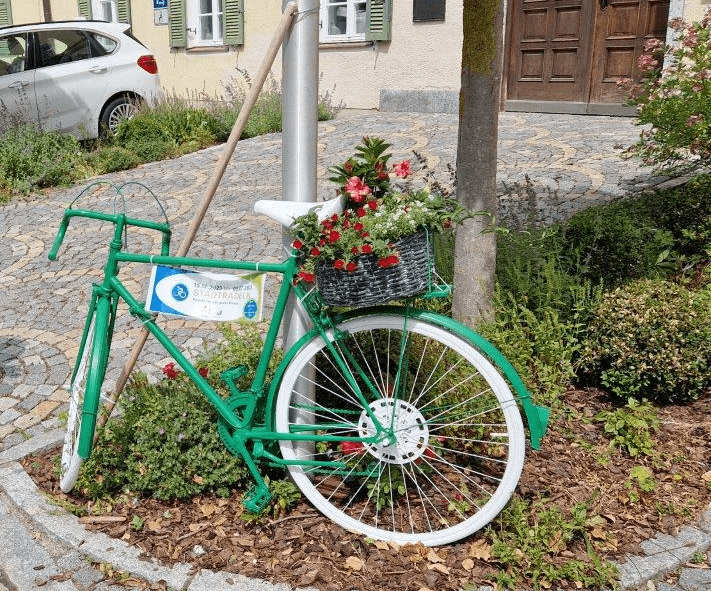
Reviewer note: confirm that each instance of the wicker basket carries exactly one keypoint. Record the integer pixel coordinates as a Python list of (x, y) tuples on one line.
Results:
[(370, 284)]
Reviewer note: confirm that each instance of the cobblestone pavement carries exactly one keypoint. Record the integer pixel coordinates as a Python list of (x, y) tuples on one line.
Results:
[(549, 166)]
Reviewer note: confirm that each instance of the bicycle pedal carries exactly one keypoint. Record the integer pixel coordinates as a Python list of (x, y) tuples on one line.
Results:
[(256, 499)]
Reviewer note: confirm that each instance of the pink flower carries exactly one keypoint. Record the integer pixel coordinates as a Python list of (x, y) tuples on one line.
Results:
[(402, 169), (357, 189), (170, 371)]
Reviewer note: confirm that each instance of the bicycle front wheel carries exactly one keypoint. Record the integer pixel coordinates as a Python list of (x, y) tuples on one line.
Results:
[(84, 393), (451, 444)]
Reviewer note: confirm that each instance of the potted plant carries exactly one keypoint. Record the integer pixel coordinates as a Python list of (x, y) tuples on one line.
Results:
[(380, 247)]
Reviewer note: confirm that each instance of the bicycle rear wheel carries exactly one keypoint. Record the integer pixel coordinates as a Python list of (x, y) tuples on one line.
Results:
[(84, 393), (455, 447)]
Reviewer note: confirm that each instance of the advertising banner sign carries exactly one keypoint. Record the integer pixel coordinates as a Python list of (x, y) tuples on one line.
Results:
[(205, 296)]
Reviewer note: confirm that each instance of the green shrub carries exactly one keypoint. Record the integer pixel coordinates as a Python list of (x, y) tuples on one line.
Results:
[(541, 347), (31, 159), (106, 159), (629, 426), (616, 242), (165, 443), (651, 339), (146, 137)]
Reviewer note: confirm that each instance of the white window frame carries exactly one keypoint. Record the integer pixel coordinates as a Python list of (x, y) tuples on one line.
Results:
[(98, 6), (194, 21), (351, 34)]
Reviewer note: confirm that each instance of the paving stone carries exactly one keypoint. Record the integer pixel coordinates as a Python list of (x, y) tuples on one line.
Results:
[(87, 576), (695, 579), (9, 416)]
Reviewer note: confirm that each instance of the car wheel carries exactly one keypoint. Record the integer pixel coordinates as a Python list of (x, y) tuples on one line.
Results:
[(116, 111)]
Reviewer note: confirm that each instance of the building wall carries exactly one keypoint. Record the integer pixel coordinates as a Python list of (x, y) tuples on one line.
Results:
[(420, 56)]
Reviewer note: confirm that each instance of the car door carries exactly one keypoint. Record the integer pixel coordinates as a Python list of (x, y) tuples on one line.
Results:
[(70, 83), (17, 97)]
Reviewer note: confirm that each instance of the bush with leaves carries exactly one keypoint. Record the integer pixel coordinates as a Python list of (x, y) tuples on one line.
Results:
[(674, 97), (165, 443), (651, 339)]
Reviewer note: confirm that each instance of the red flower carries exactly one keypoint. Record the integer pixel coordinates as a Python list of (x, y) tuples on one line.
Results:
[(402, 169), (170, 371), (333, 236), (352, 266), (354, 250), (339, 263), (334, 217), (315, 251), (366, 249), (358, 226), (388, 261), (351, 447), (360, 212), (322, 242), (203, 371), (326, 224), (373, 204), (364, 234), (348, 166), (297, 244), (430, 454), (308, 277)]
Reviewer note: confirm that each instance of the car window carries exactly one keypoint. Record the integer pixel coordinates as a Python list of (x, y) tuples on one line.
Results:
[(63, 46), (101, 44), (13, 54)]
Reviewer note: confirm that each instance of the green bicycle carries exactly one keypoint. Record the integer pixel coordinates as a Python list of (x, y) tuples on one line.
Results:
[(396, 423)]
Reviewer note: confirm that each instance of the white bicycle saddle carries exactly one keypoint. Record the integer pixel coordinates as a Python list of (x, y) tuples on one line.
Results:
[(285, 212)]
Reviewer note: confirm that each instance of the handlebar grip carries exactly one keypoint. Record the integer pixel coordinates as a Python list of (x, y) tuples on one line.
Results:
[(58, 240)]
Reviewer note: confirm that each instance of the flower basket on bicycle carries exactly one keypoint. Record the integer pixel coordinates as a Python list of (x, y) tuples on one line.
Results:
[(371, 284), (379, 247)]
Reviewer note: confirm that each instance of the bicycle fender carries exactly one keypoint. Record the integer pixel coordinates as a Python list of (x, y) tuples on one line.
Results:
[(536, 416)]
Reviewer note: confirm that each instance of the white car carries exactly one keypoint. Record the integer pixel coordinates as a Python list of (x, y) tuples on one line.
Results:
[(79, 77)]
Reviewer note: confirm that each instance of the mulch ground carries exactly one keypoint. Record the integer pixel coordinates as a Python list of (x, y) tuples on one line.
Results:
[(302, 548)]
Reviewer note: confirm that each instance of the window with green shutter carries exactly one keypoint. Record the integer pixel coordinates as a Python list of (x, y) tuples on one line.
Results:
[(379, 18), (5, 12), (178, 33), (123, 7), (84, 7), (233, 14)]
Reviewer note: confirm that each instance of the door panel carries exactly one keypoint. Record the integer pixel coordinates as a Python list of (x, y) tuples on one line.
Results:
[(622, 30), (550, 49)]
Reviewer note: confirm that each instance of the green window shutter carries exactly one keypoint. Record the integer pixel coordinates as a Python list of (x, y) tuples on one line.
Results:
[(5, 12), (178, 32), (233, 15), (123, 7), (379, 14), (84, 8)]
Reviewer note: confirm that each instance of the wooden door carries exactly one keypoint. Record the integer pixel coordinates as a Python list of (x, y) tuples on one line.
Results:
[(576, 50)]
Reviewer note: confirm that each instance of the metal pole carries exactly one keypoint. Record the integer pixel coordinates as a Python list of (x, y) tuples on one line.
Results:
[(299, 128), (299, 144)]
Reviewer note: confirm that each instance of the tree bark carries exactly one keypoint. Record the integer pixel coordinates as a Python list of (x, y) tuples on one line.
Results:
[(475, 251)]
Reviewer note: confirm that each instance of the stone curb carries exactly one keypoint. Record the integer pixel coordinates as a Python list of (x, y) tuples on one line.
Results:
[(63, 527)]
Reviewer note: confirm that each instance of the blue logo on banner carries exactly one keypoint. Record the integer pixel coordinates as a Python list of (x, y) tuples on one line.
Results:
[(180, 292), (160, 4), (250, 309)]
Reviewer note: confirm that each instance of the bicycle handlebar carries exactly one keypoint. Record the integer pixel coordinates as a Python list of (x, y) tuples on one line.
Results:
[(118, 219)]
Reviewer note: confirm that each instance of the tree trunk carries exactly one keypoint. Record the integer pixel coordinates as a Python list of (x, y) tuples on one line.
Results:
[(475, 251)]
